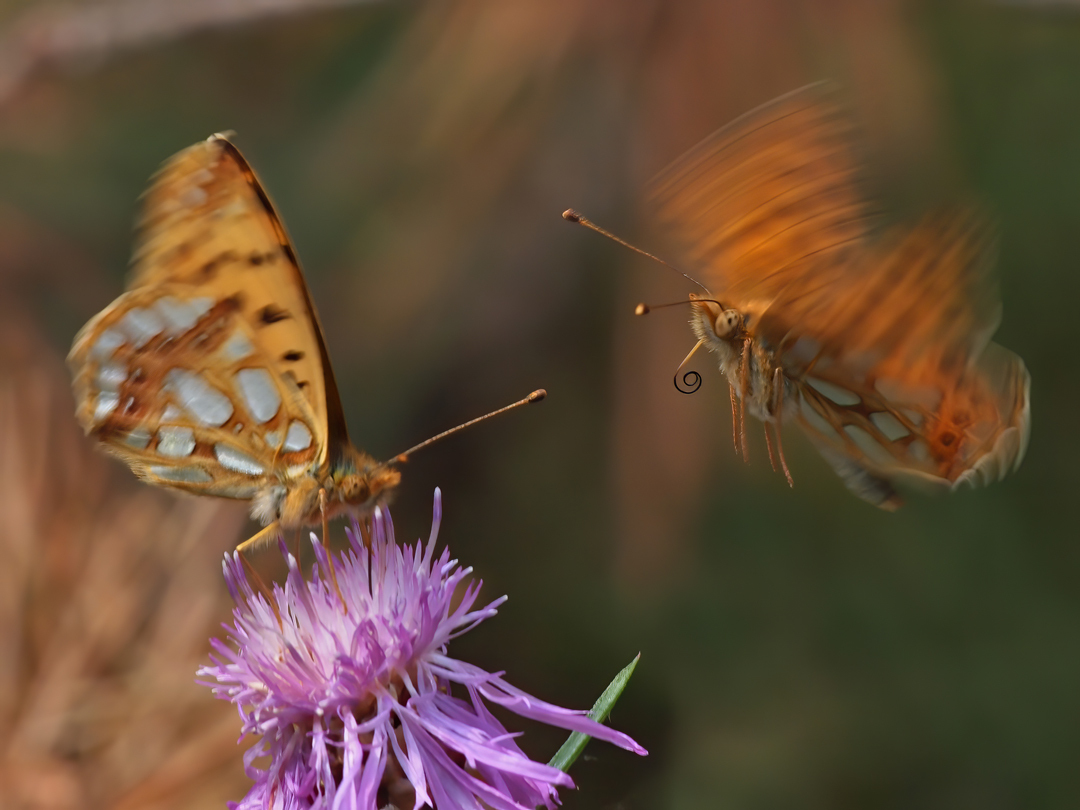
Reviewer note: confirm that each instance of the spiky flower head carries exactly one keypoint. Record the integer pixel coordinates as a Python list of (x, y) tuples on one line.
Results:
[(355, 700)]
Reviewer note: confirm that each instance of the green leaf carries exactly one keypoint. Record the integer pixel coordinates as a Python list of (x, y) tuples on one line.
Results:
[(575, 743)]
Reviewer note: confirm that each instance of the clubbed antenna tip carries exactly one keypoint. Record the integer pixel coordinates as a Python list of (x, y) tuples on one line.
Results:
[(570, 215), (535, 396)]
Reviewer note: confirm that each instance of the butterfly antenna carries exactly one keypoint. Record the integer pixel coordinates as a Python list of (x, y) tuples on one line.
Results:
[(744, 396), (261, 585), (645, 309), (778, 409), (401, 458), (570, 215), (326, 550)]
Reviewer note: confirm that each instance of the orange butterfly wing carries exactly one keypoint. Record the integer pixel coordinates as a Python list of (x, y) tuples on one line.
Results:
[(942, 426), (761, 197), (233, 241), (210, 374)]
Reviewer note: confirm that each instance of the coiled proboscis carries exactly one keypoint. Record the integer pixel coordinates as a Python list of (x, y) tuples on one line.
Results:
[(691, 380)]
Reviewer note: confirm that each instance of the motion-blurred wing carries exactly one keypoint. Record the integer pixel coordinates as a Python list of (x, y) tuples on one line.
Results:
[(767, 196), (914, 298)]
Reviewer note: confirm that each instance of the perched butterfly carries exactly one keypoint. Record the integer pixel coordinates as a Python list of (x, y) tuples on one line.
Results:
[(875, 340), (210, 374)]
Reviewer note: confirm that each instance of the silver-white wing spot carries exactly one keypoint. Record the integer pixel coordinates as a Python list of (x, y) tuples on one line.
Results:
[(183, 475), (171, 413), (237, 347), (233, 459), (890, 427), (869, 445), (260, 394), (179, 316), (841, 396), (106, 404), (108, 342), (297, 438), (273, 438), (139, 438), (176, 442), (919, 451), (208, 405), (111, 376), (817, 421), (140, 325)]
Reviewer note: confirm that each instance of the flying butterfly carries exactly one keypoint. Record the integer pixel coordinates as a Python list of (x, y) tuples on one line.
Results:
[(210, 374), (875, 340)]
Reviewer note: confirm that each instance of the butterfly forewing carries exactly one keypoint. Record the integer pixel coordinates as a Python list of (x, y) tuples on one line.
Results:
[(208, 222), (210, 373), (917, 297), (767, 193)]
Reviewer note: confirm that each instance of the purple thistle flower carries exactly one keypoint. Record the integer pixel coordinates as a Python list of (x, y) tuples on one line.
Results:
[(355, 707)]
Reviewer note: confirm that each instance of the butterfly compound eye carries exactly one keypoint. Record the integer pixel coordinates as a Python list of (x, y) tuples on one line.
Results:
[(726, 323), (354, 489)]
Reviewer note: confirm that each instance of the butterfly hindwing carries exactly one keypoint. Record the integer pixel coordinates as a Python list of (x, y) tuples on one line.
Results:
[(180, 389), (905, 342), (948, 430)]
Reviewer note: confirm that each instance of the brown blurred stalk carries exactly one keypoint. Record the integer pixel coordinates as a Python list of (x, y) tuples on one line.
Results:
[(108, 594), (52, 34)]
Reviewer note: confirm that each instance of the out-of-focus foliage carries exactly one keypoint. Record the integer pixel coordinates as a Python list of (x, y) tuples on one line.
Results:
[(799, 649)]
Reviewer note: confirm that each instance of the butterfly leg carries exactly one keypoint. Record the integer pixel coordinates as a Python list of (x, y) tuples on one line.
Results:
[(734, 417), (326, 548), (744, 392), (778, 411), (768, 443), (365, 531), (325, 525), (263, 589), (263, 536)]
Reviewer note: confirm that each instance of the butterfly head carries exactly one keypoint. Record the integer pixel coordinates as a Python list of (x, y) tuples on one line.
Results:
[(713, 321), (359, 482)]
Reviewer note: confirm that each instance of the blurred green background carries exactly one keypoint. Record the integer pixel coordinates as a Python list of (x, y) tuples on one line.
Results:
[(799, 649)]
